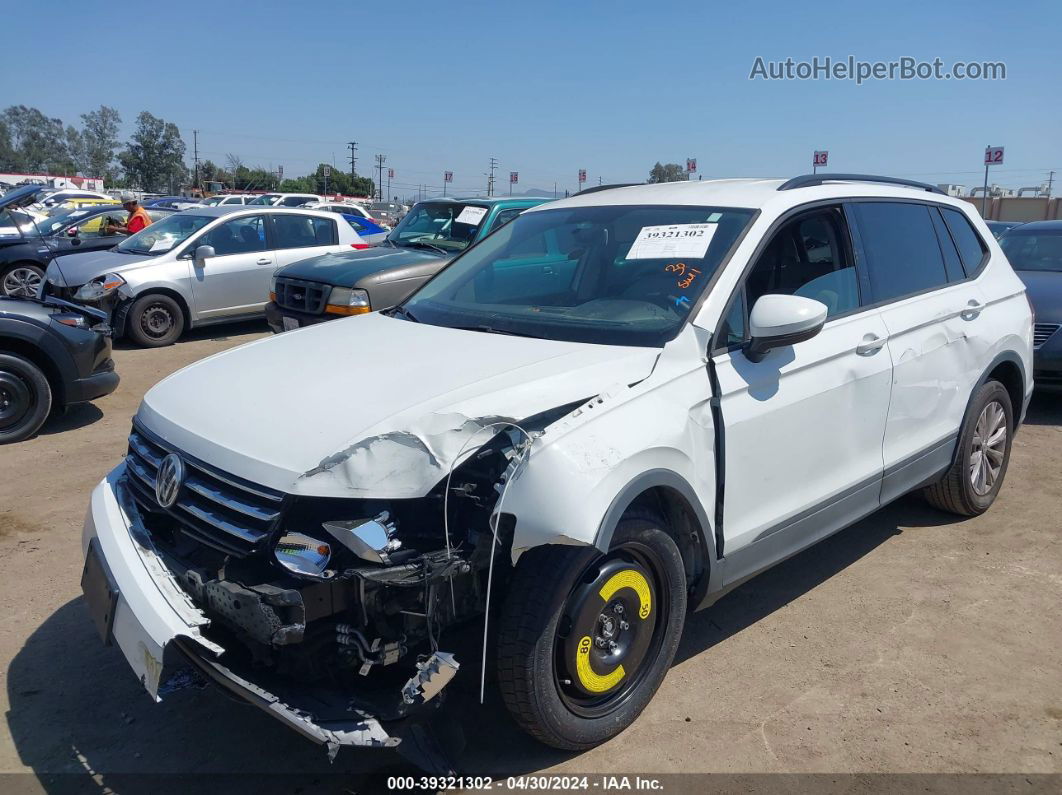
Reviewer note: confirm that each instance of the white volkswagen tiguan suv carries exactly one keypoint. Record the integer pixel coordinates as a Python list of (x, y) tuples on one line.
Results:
[(607, 413)]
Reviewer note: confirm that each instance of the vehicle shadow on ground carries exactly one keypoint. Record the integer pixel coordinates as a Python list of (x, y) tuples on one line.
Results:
[(1045, 408), (81, 721), (79, 415), (218, 333)]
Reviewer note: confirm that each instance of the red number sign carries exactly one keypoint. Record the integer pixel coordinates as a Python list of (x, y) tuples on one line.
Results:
[(994, 156)]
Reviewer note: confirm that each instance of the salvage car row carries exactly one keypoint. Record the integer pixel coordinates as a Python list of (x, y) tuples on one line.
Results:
[(593, 414)]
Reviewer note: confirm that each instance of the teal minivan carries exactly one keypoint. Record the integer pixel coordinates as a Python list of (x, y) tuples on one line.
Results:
[(357, 282)]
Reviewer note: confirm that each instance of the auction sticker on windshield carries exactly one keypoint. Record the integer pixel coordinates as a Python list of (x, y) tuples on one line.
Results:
[(673, 241), (471, 215), (162, 244)]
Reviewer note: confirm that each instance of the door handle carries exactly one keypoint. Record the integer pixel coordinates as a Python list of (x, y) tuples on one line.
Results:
[(870, 345), (972, 310), (264, 261)]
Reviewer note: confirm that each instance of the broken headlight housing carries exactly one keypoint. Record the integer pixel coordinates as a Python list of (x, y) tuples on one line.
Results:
[(99, 288)]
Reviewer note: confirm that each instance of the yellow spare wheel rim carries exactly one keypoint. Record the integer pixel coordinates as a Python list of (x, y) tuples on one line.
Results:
[(609, 623)]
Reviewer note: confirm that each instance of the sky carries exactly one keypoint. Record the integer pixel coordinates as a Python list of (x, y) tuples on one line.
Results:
[(549, 88)]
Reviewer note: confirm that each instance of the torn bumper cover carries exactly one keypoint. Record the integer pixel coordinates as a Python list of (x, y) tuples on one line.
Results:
[(137, 605)]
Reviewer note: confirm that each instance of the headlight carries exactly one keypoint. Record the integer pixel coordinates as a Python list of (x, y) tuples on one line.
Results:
[(347, 301), (99, 287)]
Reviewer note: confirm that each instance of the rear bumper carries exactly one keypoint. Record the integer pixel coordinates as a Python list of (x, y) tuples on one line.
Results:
[(158, 629), (275, 317)]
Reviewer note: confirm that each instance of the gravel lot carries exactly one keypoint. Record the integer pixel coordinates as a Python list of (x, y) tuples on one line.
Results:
[(911, 642)]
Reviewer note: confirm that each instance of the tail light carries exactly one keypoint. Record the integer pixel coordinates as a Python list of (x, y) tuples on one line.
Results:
[(360, 246)]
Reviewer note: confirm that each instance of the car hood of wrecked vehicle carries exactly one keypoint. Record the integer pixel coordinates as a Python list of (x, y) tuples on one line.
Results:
[(372, 406), (75, 270)]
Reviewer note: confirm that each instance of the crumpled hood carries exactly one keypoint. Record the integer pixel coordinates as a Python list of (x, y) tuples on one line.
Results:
[(371, 406), (74, 270)]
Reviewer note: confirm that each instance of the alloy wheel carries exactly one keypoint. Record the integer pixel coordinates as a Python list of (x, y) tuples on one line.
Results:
[(21, 282), (988, 448)]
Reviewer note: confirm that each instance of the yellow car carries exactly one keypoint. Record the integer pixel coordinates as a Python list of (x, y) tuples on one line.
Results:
[(78, 204)]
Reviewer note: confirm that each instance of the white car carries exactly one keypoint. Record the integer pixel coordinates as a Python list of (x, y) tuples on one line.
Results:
[(609, 412), (226, 199), (200, 266), (285, 199)]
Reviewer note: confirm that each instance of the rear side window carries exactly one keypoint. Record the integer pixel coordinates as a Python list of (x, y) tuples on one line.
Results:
[(952, 263), (971, 249), (303, 231), (902, 253)]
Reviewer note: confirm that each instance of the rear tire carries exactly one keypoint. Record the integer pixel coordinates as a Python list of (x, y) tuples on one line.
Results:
[(25, 398), (561, 615), (155, 321), (971, 484)]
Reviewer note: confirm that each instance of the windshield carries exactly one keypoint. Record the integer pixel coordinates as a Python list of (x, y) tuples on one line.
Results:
[(447, 227), (56, 223), (11, 221), (213, 200), (164, 235), (625, 275), (268, 199), (1031, 251)]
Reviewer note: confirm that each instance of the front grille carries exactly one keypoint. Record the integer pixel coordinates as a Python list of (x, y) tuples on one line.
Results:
[(309, 297), (213, 508), (1042, 332)]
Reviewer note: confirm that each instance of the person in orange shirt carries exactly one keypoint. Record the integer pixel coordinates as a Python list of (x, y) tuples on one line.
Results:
[(137, 220)]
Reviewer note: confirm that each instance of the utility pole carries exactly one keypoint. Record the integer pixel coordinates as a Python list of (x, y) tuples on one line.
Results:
[(380, 160), (1050, 182), (490, 180), (195, 149), (353, 147)]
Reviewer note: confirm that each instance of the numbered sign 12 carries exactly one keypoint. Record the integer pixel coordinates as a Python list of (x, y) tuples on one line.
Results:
[(994, 156)]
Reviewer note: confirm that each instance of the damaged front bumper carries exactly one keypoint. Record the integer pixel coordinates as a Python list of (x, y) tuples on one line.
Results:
[(137, 605)]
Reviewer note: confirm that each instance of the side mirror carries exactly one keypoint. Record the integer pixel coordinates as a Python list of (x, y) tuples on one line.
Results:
[(780, 320), (202, 253)]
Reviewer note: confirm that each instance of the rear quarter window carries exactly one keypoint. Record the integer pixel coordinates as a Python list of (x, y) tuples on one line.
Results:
[(971, 249), (901, 248)]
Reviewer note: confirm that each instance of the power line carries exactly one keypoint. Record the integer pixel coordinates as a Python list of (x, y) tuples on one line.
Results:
[(490, 181)]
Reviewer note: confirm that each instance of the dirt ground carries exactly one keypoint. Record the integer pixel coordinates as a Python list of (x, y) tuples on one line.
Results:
[(909, 643)]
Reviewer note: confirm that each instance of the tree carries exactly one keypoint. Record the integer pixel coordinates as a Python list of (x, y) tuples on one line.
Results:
[(98, 142), (8, 157), (153, 159), (38, 143), (672, 172)]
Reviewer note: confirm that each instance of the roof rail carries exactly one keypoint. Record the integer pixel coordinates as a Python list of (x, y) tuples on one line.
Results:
[(596, 188), (811, 180)]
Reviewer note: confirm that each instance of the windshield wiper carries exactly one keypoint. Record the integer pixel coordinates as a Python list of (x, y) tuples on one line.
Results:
[(420, 244), (401, 310), (491, 330)]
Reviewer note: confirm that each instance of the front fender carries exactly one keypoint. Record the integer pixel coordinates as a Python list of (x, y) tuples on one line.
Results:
[(587, 468)]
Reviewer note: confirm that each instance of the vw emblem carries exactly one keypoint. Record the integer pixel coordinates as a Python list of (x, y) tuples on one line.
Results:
[(169, 479)]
